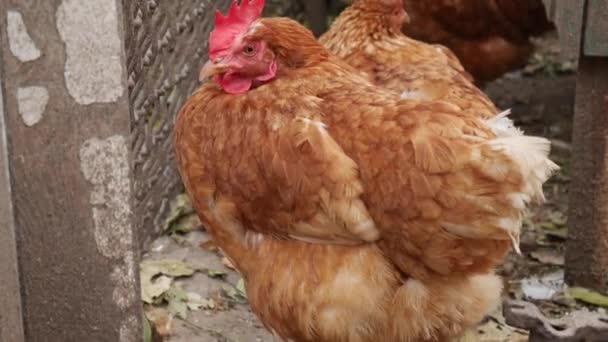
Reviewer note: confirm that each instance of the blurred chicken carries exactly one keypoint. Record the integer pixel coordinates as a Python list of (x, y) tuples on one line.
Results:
[(367, 35), (491, 37), (352, 214)]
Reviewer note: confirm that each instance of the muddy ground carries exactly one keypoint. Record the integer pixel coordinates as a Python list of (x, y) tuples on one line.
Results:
[(204, 301)]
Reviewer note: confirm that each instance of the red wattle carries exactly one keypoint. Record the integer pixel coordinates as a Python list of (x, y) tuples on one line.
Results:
[(234, 83)]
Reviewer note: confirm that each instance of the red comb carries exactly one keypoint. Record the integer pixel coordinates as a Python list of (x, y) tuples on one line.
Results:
[(237, 21)]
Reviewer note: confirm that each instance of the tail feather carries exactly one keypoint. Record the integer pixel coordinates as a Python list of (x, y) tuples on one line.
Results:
[(503, 126), (531, 154)]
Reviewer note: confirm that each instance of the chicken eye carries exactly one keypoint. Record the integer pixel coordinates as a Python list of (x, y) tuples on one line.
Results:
[(249, 50)]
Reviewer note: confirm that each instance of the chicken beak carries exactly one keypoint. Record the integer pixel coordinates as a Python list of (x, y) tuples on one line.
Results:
[(207, 71), (211, 69), (406, 18)]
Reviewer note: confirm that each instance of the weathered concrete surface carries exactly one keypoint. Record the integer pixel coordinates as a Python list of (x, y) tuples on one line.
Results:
[(32, 103), (93, 67), (21, 44), (166, 46), (567, 16), (11, 323), (69, 160), (587, 248), (596, 26)]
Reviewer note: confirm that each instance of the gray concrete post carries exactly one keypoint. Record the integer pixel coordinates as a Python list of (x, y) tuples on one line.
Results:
[(68, 129)]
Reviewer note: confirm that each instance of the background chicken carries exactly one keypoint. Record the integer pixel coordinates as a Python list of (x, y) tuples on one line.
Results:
[(490, 37), (352, 214), (367, 35)]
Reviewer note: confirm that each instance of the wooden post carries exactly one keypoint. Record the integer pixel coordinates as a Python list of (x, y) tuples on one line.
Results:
[(68, 127), (11, 322), (587, 248)]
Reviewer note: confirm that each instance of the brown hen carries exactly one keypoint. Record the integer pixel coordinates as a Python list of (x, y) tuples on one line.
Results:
[(490, 37), (367, 35), (352, 214)]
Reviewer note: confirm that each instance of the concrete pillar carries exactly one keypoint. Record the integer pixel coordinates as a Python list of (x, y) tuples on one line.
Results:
[(91, 89), (68, 154), (587, 247), (11, 321)]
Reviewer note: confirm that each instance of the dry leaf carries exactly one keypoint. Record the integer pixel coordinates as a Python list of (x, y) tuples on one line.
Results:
[(151, 289), (216, 273), (209, 246), (549, 256), (240, 287), (179, 207), (161, 320), (169, 267), (228, 263), (156, 276)]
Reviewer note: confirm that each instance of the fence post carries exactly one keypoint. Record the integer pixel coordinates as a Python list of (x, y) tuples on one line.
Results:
[(587, 247), (68, 129), (11, 322)]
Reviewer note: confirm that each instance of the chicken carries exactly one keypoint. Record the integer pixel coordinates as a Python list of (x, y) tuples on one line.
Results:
[(352, 214), (490, 37), (367, 35)]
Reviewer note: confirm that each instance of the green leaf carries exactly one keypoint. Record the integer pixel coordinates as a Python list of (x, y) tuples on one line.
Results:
[(147, 334), (240, 287), (179, 207), (588, 296), (169, 267), (216, 273)]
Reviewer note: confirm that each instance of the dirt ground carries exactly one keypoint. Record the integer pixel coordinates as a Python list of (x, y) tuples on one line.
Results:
[(209, 296)]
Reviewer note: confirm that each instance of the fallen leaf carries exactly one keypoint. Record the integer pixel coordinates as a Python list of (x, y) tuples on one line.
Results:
[(558, 234), (184, 224), (196, 302), (209, 303), (236, 293), (177, 299), (228, 263), (216, 273), (152, 289), (219, 301), (179, 302), (156, 276), (179, 207), (209, 246), (549, 256), (147, 333), (588, 296), (161, 320), (240, 287), (169, 267), (548, 225)]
